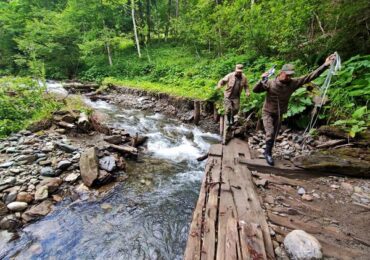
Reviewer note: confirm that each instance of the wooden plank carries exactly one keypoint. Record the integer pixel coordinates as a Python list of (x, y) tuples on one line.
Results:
[(207, 204), (211, 208), (232, 246), (215, 150), (250, 237), (193, 246), (248, 204), (227, 208)]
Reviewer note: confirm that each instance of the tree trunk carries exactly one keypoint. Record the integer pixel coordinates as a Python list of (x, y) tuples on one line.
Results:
[(148, 21), (177, 8), (168, 20), (134, 25), (109, 55)]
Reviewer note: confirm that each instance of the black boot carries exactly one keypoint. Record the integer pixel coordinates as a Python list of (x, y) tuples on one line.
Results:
[(268, 152), (229, 119)]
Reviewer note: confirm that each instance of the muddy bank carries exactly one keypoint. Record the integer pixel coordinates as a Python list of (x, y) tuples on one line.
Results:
[(335, 210)]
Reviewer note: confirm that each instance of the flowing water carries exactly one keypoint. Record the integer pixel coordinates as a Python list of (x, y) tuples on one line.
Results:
[(145, 217)]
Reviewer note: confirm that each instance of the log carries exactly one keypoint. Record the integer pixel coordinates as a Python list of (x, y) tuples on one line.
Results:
[(331, 143), (66, 125), (202, 158), (125, 149)]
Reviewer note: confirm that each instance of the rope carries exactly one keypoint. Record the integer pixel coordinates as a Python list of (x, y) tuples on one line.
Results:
[(334, 67)]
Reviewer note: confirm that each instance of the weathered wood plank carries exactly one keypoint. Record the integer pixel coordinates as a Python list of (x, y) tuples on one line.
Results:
[(193, 246), (211, 208), (232, 246), (202, 233), (215, 150), (228, 222), (227, 207), (248, 203)]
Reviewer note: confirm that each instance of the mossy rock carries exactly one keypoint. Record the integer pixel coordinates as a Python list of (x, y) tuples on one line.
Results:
[(344, 161)]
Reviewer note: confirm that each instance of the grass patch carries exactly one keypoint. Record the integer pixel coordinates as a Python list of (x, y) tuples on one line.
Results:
[(186, 90), (23, 101)]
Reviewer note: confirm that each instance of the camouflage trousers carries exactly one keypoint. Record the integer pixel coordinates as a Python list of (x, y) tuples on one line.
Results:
[(271, 123), (231, 105)]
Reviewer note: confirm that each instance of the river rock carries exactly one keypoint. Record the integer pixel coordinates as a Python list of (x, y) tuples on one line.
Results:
[(104, 177), (66, 147), (17, 206), (302, 246), (41, 193), (10, 222), (37, 211), (45, 162), (10, 197), (108, 163), (63, 165), (301, 191), (52, 184), (7, 182), (24, 197), (47, 172), (307, 197), (89, 166), (11, 150), (98, 121), (27, 158), (72, 177), (6, 164), (3, 209)]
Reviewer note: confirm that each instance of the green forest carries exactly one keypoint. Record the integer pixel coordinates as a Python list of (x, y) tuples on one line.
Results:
[(183, 47)]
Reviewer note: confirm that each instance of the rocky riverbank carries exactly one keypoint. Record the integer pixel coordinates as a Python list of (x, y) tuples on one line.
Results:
[(38, 168)]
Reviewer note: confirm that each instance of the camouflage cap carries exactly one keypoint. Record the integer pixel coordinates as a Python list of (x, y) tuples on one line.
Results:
[(288, 69), (239, 68)]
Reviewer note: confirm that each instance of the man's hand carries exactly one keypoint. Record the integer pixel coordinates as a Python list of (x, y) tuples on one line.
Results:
[(330, 59), (264, 75), (247, 94)]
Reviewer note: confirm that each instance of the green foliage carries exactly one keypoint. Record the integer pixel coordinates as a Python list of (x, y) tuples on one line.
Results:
[(187, 47), (22, 101), (350, 88), (356, 123)]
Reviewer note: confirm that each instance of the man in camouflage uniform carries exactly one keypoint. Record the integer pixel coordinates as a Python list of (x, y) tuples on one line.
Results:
[(279, 91), (235, 82)]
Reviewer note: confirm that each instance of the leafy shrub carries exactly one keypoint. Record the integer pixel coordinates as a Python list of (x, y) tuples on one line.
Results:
[(22, 101)]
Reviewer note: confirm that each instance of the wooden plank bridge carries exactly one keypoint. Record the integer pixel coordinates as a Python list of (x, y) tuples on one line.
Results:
[(228, 221)]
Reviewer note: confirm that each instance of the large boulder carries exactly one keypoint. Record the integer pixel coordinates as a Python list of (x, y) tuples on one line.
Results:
[(302, 246), (99, 122), (89, 166)]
